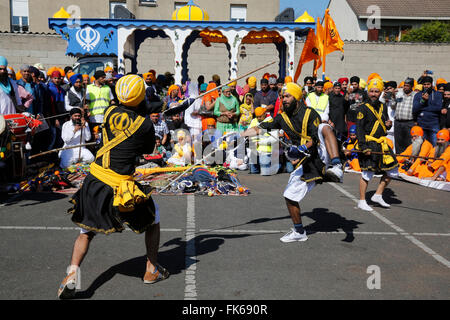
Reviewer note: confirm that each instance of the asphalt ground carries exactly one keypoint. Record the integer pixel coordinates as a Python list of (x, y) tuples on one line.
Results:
[(228, 248)]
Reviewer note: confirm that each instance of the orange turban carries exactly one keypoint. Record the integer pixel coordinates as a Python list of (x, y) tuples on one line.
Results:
[(440, 80), (210, 122), (85, 76), (108, 68), (401, 84), (266, 76), (172, 88), (287, 79), (260, 111), (443, 134), (416, 131), (373, 76), (327, 85), (69, 74)]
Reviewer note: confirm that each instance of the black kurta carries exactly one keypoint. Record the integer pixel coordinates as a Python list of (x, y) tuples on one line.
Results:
[(93, 209), (313, 167), (365, 122)]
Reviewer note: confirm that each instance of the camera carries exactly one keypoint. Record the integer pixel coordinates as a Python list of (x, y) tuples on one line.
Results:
[(429, 90), (78, 122)]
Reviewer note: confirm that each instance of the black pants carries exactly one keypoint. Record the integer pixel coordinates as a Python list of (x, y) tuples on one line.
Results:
[(402, 134)]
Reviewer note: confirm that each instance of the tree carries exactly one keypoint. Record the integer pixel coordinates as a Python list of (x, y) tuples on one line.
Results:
[(434, 31)]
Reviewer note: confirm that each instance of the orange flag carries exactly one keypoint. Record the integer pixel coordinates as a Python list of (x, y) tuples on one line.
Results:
[(310, 52), (332, 39)]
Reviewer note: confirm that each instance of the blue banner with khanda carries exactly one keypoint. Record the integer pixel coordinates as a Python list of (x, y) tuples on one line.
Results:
[(89, 40)]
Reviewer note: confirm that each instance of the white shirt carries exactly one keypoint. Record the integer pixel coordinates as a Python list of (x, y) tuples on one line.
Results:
[(6, 104), (72, 138), (190, 120)]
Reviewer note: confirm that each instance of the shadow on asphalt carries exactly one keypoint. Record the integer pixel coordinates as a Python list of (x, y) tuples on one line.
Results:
[(326, 221), (388, 196), (38, 197), (173, 259)]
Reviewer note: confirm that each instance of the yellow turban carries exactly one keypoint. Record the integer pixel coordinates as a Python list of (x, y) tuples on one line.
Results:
[(362, 84), (130, 90), (418, 87), (287, 79), (376, 83), (327, 85), (108, 68), (252, 82), (373, 76), (260, 111), (293, 89), (233, 84)]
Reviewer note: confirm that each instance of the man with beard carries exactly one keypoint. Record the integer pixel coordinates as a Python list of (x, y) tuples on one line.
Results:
[(319, 101), (151, 91), (308, 84), (427, 107), (301, 124), (74, 132), (371, 129), (9, 93), (110, 197), (356, 96), (419, 147), (76, 94), (338, 109), (265, 98), (437, 170), (445, 112)]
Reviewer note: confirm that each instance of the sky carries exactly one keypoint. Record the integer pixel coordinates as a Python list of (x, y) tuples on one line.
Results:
[(315, 8)]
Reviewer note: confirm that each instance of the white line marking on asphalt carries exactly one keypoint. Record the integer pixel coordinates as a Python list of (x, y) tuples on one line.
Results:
[(190, 289), (411, 238), (64, 228)]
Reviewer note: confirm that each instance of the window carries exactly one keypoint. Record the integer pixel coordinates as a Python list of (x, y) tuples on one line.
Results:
[(148, 3), (389, 33), (19, 16), (179, 5), (238, 12), (112, 5)]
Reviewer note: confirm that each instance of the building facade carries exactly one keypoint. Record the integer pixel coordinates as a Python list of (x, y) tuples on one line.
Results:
[(384, 20), (32, 15)]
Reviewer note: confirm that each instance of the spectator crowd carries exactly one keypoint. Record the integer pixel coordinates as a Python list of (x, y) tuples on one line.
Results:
[(72, 106)]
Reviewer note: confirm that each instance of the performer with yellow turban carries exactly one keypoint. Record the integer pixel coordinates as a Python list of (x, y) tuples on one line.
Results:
[(371, 129), (301, 124), (109, 197)]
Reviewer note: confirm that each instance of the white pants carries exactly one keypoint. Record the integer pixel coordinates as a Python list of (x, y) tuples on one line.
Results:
[(322, 149), (296, 188), (70, 156), (157, 219)]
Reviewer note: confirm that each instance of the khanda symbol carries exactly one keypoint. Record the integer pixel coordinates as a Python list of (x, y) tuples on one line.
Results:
[(315, 51), (332, 33), (88, 38), (119, 122)]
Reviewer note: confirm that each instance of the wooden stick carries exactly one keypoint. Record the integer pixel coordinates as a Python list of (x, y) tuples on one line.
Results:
[(398, 155), (60, 149), (249, 73)]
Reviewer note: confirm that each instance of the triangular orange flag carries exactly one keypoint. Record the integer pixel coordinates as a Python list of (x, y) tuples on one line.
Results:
[(310, 52), (333, 41)]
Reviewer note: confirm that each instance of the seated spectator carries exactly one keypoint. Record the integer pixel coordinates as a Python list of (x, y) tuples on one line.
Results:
[(76, 95), (418, 147), (74, 132), (246, 110), (437, 170), (161, 128), (350, 146), (182, 151), (160, 155)]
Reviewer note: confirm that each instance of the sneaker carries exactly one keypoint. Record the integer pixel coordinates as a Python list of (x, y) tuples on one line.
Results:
[(161, 274), (335, 173), (293, 235), (378, 198), (362, 204), (67, 288)]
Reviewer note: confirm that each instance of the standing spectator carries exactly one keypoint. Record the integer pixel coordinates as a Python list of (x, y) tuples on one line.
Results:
[(404, 120), (227, 111), (308, 84), (356, 96), (191, 116), (265, 98), (319, 101), (110, 81), (344, 85), (9, 93), (338, 110), (98, 98), (252, 85), (389, 100), (26, 82), (445, 113), (76, 94), (427, 107), (246, 110)]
